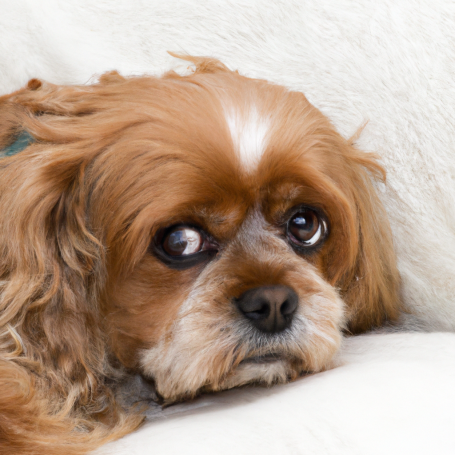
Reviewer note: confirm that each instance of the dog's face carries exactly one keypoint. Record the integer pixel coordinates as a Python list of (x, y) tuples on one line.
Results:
[(232, 218), (241, 232)]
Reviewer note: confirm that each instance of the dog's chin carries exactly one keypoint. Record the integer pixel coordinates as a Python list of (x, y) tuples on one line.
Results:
[(264, 370)]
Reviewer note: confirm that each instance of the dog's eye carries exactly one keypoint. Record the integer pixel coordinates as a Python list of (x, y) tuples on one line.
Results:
[(306, 228), (182, 241), (182, 247)]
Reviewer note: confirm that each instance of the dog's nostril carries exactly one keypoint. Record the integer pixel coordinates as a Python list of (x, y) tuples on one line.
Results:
[(256, 309), (269, 308), (288, 307)]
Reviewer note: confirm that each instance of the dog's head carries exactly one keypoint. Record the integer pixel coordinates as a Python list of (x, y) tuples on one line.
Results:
[(210, 230)]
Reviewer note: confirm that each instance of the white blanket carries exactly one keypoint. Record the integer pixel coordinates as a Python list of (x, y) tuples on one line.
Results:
[(389, 62), (391, 394)]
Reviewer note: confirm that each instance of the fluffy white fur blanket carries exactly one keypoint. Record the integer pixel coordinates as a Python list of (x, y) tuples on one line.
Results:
[(389, 62), (392, 394)]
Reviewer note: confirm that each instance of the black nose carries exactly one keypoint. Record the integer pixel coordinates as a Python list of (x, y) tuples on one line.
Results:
[(269, 308)]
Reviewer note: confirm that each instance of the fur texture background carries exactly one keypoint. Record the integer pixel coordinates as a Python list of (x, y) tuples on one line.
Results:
[(389, 63)]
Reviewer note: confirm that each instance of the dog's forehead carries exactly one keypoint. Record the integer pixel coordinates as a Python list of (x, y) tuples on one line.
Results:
[(270, 136), (229, 125)]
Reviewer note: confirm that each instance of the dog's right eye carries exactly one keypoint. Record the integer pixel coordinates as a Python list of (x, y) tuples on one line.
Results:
[(181, 246)]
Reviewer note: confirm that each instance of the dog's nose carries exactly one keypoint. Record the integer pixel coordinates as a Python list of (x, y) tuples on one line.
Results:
[(269, 308)]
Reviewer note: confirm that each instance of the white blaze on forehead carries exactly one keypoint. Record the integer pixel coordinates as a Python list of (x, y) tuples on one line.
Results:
[(248, 130)]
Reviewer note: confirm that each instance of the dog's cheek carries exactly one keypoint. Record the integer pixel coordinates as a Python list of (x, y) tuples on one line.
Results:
[(201, 346), (142, 307)]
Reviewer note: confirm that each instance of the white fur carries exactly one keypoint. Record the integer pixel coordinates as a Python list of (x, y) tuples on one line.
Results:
[(249, 135)]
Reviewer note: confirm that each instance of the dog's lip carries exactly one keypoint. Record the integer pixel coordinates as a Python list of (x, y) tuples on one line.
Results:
[(264, 358)]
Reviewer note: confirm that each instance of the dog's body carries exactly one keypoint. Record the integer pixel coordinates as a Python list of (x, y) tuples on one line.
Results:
[(206, 231)]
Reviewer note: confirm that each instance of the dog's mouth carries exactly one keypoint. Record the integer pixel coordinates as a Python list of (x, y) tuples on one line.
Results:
[(263, 359), (263, 369)]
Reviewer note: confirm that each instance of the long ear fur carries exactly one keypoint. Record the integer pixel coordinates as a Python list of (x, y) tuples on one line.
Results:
[(51, 268), (371, 285)]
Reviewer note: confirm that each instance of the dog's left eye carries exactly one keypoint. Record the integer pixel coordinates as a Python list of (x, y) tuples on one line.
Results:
[(182, 241), (306, 229)]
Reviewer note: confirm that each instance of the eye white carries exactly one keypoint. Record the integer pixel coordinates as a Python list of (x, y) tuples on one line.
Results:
[(193, 241), (183, 241), (317, 235), (306, 228)]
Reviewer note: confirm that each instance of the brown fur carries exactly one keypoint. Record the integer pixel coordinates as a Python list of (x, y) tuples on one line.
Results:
[(81, 294)]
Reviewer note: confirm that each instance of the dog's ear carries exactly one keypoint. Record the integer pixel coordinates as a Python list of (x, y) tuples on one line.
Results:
[(370, 287), (52, 264), (49, 256)]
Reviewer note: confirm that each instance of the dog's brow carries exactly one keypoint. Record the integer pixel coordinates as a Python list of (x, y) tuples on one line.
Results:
[(210, 215)]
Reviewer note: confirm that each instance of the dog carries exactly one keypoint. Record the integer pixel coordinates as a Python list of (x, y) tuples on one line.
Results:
[(205, 231)]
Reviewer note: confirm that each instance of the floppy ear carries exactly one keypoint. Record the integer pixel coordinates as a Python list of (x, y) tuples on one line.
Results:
[(371, 285), (50, 259), (52, 266)]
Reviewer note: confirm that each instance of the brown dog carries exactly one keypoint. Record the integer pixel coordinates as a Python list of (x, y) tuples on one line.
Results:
[(207, 231)]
